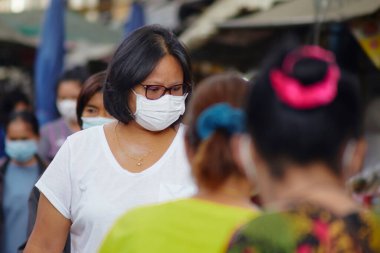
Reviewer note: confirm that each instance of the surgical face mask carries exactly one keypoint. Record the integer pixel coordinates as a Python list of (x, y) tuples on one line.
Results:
[(95, 121), (157, 115), (67, 108), (22, 150)]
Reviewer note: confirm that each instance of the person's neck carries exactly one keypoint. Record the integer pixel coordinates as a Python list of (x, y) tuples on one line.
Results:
[(28, 163), (133, 129), (234, 192), (314, 183)]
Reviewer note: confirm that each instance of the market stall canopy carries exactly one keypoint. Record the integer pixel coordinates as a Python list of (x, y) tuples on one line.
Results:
[(8, 34), (25, 28), (28, 25), (207, 24), (302, 12)]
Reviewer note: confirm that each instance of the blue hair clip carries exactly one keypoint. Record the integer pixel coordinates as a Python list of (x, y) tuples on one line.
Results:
[(220, 116)]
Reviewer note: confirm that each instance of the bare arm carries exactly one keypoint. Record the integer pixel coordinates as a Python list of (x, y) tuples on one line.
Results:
[(50, 230)]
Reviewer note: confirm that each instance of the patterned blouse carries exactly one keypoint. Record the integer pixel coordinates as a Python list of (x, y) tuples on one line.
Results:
[(309, 229)]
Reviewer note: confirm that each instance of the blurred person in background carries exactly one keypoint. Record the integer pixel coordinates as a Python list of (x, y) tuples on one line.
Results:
[(305, 139), (12, 101), (18, 174), (54, 134), (103, 171), (90, 107), (204, 222)]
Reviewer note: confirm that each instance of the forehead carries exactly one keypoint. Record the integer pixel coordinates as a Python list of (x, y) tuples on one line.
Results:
[(19, 127), (69, 85), (21, 106), (167, 71), (96, 100)]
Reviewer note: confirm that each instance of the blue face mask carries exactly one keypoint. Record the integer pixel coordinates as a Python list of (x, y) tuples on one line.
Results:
[(21, 151), (95, 121)]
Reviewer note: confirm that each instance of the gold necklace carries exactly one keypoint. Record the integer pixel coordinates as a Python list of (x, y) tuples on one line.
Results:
[(139, 160)]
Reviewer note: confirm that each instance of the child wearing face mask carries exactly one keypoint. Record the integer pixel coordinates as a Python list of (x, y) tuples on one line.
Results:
[(90, 107), (14, 100), (55, 133), (18, 174)]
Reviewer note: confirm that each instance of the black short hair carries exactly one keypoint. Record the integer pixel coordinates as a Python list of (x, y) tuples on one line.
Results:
[(27, 117), (134, 60), (283, 134), (78, 74), (9, 101)]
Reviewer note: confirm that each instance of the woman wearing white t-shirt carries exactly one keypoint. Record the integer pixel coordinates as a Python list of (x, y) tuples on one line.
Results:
[(101, 172)]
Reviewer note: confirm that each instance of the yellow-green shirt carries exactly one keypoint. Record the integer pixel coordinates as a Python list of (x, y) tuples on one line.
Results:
[(182, 226)]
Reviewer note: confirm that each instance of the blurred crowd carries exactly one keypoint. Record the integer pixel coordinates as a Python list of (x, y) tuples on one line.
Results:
[(143, 159)]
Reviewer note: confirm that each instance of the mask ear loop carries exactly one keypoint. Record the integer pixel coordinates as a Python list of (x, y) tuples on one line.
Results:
[(347, 157), (245, 156)]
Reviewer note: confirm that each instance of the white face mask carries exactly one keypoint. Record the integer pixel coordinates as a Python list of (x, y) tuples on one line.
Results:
[(95, 121), (67, 108), (157, 115)]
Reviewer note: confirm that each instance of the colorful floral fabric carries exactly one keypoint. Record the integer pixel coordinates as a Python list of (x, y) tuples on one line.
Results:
[(308, 229)]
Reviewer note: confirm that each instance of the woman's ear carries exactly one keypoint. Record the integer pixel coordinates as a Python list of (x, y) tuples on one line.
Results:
[(36, 137)]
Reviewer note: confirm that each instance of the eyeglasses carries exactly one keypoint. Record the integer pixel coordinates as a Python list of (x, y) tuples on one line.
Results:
[(154, 92)]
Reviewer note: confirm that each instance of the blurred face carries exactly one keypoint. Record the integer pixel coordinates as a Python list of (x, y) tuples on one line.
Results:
[(19, 130), (21, 142), (95, 107), (21, 106), (167, 73), (68, 90)]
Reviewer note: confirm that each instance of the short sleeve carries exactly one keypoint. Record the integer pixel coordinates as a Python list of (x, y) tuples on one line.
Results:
[(55, 183)]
